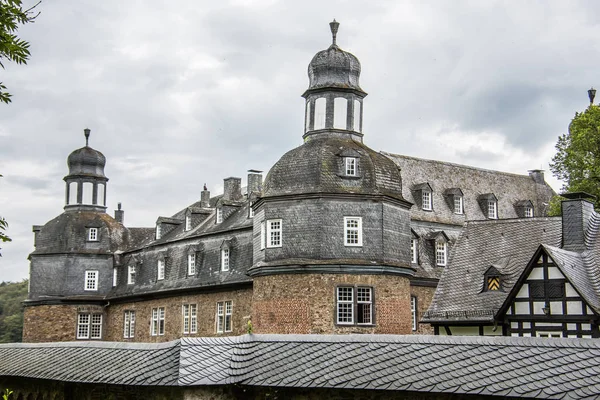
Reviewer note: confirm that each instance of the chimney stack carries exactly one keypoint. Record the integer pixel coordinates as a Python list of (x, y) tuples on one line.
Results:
[(254, 181), (232, 189), (205, 197), (119, 214), (537, 175), (576, 214)]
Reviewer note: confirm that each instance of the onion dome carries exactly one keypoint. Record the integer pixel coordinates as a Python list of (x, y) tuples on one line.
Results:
[(334, 67), (86, 161)]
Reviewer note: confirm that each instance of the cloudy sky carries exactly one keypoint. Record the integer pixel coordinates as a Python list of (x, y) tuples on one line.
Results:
[(182, 93)]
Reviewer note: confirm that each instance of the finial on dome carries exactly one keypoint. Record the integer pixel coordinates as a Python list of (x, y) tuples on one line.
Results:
[(334, 28), (86, 132)]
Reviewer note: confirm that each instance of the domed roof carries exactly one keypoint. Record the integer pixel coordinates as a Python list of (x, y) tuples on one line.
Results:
[(86, 161), (334, 67), (318, 167)]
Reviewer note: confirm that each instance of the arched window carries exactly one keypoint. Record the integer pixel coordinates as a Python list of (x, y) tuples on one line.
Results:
[(320, 111), (73, 193), (88, 190), (357, 120), (340, 112), (100, 198)]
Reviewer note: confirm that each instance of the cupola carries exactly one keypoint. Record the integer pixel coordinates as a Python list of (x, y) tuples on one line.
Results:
[(334, 97), (86, 182)]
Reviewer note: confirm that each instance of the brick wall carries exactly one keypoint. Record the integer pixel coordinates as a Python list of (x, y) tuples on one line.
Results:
[(49, 323), (306, 304), (424, 296)]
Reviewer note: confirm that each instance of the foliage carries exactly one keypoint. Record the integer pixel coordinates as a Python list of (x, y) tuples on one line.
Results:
[(12, 15), (554, 206), (12, 295), (6, 394), (577, 158)]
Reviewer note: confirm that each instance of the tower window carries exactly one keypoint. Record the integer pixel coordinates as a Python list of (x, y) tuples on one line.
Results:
[(307, 126), (274, 234), (262, 235), (354, 305), (352, 231), (250, 210), (440, 253), (73, 193), (91, 280), (93, 234), (340, 113), (88, 190), (320, 112), (100, 195), (357, 116), (350, 166), (426, 198), (115, 277)]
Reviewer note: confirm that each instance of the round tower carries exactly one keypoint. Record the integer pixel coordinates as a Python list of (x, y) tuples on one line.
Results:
[(332, 234)]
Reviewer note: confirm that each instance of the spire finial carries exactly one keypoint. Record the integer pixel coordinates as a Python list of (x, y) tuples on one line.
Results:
[(334, 28), (86, 132)]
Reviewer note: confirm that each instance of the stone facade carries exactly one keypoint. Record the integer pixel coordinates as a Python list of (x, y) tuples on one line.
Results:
[(50, 323), (423, 294), (307, 303)]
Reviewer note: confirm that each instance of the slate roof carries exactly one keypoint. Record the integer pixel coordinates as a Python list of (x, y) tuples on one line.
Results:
[(473, 182), (485, 366), (93, 362), (508, 245)]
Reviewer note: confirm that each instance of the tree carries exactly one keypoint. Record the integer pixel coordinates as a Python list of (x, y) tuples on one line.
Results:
[(577, 158), (3, 226), (12, 15)]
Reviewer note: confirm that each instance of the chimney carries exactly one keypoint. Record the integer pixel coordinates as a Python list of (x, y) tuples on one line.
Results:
[(254, 181), (232, 189), (36, 229), (119, 214), (577, 211), (537, 175), (205, 197)]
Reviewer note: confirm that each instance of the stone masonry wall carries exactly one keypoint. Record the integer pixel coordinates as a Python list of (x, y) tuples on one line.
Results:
[(206, 309), (306, 304), (50, 323), (424, 296)]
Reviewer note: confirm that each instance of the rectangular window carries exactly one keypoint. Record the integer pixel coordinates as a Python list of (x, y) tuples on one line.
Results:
[(115, 277), (219, 215), (158, 231), (190, 318), (413, 312), (131, 275), (440, 253), (191, 264), (426, 197), (492, 210), (91, 280), (93, 234), (224, 312), (129, 324), (352, 231), (350, 166), (458, 205), (161, 270), (354, 305), (157, 327), (224, 259), (414, 250), (528, 212), (274, 233), (188, 223), (262, 235), (250, 210), (89, 326)]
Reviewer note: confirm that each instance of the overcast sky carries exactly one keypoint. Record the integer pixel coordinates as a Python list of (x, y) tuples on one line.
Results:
[(182, 93)]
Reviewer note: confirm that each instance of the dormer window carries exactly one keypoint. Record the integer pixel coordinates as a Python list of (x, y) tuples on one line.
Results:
[(188, 222), (458, 205), (219, 215), (161, 270), (93, 234), (440, 253), (158, 231), (225, 259), (489, 205), (426, 200), (423, 193), (492, 209), (492, 280), (131, 275), (250, 210), (350, 164), (528, 212), (524, 209), (192, 264), (414, 250)]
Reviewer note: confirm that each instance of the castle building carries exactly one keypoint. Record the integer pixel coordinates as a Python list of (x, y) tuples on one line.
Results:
[(339, 238)]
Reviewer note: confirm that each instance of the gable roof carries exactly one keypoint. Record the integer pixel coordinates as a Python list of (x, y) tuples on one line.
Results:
[(508, 245)]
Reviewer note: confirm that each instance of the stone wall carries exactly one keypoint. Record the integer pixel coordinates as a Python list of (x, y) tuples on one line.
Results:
[(306, 304), (424, 295), (50, 323)]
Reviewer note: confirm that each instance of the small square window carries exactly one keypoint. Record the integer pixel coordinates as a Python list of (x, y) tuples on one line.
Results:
[(91, 280), (160, 270), (350, 163), (440, 254), (493, 283), (225, 259), (354, 305), (458, 205), (426, 197), (274, 236), (352, 231), (93, 234)]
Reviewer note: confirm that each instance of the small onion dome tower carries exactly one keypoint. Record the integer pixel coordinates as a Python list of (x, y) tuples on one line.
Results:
[(334, 98), (86, 182)]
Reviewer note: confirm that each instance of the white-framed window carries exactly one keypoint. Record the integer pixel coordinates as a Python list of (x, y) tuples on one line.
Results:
[(250, 210), (353, 231), (225, 259), (414, 250), (88, 191), (100, 196), (340, 113), (262, 235), (131, 275), (160, 270), (129, 324), (440, 253), (89, 326), (426, 198), (354, 305), (93, 234), (115, 277), (458, 205), (528, 212), (73, 193), (157, 326), (91, 280), (219, 215), (274, 236), (413, 312), (188, 222), (191, 264), (350, 164), (190, 318), (492, 209), (223, 317), (357, 115), (320, 113), (158, 231)]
